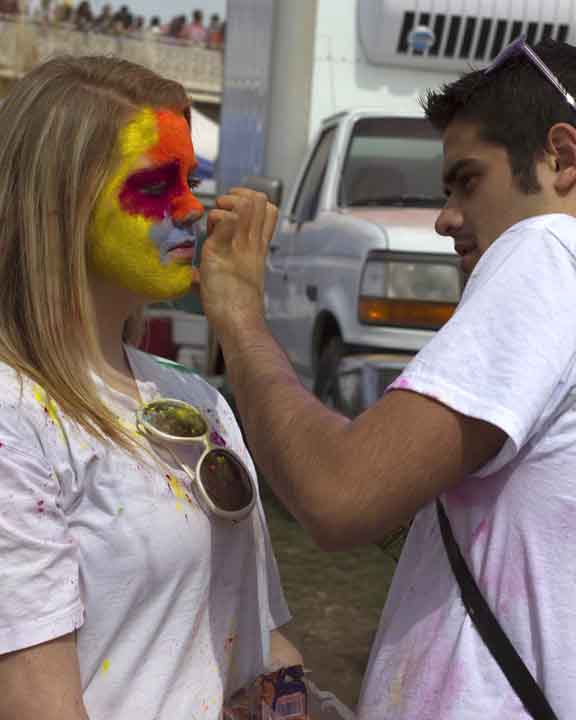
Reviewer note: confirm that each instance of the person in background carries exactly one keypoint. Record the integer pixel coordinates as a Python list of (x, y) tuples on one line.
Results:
[(177, 28), (483, 419), (214, 38), (138, 581), (122, 20), (155, 26), (137, 27), (104, 21), (195, 31), (83, 17)]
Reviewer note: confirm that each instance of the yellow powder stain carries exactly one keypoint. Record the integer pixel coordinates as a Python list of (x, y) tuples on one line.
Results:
[(47, 403), (179, 506), (177, 489), (49, 407), (397, 686), (105, 666), (128, 426)]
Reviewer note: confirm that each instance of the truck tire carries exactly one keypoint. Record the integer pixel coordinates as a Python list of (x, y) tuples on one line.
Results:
[(326, 386)]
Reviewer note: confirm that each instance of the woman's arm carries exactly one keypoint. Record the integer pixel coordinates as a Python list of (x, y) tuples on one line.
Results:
[(42, 682)]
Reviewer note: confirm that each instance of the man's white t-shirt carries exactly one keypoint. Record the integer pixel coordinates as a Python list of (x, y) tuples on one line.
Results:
[(172, 608), (508, 357)]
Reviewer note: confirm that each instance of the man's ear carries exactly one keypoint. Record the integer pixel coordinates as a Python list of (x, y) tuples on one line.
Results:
[(561, 146)]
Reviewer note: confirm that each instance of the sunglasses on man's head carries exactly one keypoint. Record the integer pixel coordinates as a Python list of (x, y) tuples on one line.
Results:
[(221, 482), (521, 47)]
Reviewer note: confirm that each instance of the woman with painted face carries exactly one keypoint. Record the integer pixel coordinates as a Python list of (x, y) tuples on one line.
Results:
[(137, 578)]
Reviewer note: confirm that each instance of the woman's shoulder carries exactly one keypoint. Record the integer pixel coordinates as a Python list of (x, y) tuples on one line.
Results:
[(25, 411)]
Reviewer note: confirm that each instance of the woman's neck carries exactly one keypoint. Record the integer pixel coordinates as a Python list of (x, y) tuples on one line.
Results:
[(112, 307)]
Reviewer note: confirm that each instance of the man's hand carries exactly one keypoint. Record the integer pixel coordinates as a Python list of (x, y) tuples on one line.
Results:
[(233, 259)]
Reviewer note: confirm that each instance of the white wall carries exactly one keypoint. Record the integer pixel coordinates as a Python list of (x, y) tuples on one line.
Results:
[(343, 78)]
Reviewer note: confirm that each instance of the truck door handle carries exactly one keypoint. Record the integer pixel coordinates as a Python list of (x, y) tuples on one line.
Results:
[(312, 292)]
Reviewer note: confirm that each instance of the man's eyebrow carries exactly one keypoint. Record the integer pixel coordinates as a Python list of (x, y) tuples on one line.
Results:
[(452, 173)]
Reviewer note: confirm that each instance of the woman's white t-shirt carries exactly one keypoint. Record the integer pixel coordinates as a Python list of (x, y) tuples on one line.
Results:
[(508, 356), (172, 608)]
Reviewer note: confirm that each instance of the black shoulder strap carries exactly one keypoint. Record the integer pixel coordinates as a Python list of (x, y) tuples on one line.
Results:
[(490, 631)]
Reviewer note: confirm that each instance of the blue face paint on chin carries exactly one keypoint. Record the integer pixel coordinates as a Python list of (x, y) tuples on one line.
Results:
[(167, 236)]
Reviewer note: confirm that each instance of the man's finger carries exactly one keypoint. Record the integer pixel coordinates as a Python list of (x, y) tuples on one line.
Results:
[(221, 226), (260, 202), (269, 225), (260, 213)]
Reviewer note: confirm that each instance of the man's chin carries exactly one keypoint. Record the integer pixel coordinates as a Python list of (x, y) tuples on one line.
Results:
[(469, 261)]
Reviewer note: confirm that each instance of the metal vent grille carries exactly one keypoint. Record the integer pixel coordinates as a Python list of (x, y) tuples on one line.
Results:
[(472, 38)]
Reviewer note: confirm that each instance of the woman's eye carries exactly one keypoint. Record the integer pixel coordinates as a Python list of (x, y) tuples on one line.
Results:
[(193, 181), (154, 189)]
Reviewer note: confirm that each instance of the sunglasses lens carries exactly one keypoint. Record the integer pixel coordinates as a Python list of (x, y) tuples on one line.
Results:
[(226, 481), (173, 419)]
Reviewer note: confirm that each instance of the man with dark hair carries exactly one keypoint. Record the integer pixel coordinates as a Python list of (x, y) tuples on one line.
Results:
[(483, 418)]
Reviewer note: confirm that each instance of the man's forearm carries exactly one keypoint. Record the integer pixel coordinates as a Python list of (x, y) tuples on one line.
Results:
[(285, 425)]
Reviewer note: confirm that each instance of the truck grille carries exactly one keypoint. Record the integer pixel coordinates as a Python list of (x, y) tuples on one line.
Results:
[(473, 38)]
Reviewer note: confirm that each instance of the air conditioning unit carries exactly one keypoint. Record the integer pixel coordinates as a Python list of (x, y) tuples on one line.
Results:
[(455, 35)]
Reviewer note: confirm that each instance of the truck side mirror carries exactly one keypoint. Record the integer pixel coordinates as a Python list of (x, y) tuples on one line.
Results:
[(272, 187)]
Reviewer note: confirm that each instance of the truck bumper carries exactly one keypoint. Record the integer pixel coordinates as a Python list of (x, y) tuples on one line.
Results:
[(363, 379)]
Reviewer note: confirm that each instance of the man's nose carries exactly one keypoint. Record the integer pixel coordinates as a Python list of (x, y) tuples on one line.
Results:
[(449, 221)]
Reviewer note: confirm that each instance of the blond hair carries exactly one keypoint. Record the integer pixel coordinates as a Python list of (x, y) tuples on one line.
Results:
[(58, 132)]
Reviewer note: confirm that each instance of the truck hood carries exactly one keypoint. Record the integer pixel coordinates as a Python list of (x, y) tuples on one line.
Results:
[(406, 229)]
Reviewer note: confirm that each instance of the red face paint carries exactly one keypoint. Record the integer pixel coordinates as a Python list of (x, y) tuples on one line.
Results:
[(150, 192)]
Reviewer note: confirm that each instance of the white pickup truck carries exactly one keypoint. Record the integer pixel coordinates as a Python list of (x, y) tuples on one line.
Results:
[(358, 280)]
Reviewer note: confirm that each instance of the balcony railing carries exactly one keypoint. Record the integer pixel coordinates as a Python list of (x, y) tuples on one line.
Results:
[(24, 43)]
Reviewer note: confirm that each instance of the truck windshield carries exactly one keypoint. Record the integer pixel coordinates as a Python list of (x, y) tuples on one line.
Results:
[(393, 162)]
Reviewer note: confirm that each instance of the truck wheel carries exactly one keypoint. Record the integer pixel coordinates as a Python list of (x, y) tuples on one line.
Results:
[(326, 387)]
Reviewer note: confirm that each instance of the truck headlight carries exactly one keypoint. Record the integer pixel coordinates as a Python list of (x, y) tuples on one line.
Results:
[(408, 292)]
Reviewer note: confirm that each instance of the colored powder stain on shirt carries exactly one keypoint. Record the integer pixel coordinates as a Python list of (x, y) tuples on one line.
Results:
[(40, 506), (217, 439), (105, 666), (49, 407), (47, 403), (397, 687), (128, 426), (120, 510), (177, 489), (400, 384)]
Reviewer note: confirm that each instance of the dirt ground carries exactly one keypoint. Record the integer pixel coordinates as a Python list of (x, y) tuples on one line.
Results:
[(335, 600)]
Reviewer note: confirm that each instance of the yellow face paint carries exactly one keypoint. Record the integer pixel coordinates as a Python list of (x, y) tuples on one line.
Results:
[(141, 234)]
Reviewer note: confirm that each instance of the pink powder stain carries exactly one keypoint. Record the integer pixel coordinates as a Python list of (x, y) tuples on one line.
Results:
[(217, 439), (400, 384), (476, 491), (480, 531), (40, 506)]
